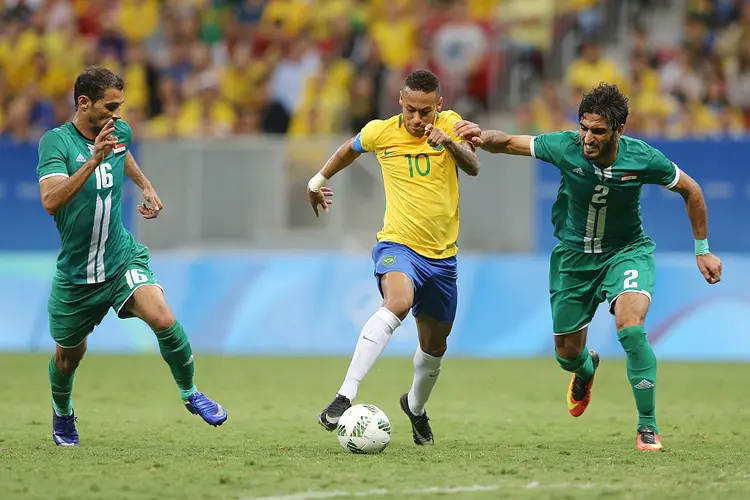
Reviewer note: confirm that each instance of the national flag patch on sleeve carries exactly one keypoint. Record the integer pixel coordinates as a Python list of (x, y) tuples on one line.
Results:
[(120, 148), (631, 176)]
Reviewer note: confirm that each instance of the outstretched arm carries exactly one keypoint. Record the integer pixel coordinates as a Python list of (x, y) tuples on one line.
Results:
[(132, 170), (317, 193), (463, 154), (709, 265), (495, 141)]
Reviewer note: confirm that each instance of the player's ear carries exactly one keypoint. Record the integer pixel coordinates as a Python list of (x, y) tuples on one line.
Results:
[(620, 130), (83, 102), (400, 97), (440, 103)]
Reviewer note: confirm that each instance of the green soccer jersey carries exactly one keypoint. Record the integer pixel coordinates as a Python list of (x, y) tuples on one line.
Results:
[(598, 209), (94, 243)]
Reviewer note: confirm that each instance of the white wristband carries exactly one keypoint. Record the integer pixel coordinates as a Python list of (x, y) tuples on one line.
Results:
[(317, 182)]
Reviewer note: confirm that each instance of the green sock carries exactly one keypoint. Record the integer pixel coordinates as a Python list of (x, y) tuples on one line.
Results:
[(62, 389), (583, 365), (641, 366), (175, 350)]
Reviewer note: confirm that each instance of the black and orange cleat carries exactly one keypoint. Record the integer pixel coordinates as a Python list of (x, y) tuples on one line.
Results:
[(647, 440), (579, 392)]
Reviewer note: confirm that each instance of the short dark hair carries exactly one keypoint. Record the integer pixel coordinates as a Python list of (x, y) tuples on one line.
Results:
[(94, 82), (607, 101), (423, 80)]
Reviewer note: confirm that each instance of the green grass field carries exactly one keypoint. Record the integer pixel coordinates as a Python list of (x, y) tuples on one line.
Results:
[(502, 431)]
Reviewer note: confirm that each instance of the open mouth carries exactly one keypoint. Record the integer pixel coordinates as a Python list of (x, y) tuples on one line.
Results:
[(590, 148)]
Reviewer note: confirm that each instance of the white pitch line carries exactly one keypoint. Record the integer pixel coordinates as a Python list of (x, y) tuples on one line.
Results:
[(316, 495)]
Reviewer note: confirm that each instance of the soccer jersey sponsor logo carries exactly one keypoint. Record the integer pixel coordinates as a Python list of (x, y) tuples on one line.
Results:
[(578, 170), (80, 159)]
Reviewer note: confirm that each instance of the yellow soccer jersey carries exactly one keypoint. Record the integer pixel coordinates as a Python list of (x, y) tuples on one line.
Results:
[(421, 185)]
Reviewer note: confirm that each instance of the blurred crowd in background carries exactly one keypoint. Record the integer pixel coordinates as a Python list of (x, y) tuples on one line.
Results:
[(213, 68)]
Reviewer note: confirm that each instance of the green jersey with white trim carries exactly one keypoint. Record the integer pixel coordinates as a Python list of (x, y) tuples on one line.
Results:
[(94, 244), (598, 209)]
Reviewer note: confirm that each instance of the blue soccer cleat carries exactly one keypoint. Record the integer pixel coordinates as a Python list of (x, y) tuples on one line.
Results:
[(64, 429), (210, 411)]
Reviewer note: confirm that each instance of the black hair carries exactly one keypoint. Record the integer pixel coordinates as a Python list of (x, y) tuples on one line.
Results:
[(422, 80), (94, 82), (607, 101)]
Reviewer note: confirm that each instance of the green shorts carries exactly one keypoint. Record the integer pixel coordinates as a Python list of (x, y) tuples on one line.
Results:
[(74, 310), (579, 282)]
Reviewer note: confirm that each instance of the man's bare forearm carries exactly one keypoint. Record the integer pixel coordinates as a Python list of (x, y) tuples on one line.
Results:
[(465, 157), (695, 204), (63, 192), (342, 158), (134, 172), (495, 141)]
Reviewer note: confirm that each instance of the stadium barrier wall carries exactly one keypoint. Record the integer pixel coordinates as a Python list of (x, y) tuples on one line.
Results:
[(250, 194), (24, 225), (316, 303)]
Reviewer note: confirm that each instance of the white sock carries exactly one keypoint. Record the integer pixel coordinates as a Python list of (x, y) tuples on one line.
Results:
[(372, 341), (426, 371)]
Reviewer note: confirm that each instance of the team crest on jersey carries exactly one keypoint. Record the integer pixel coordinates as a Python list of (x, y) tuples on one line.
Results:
[(389, 260), (439, 147), (630, 176)]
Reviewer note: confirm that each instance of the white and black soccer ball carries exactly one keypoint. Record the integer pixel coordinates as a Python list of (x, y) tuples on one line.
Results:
[(364, 429)]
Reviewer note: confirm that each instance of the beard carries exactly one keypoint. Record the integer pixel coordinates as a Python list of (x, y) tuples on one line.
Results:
[(602, 150)]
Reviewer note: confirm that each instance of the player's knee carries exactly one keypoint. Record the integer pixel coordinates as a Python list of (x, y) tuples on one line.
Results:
[(627, 320), (67, 363), (435, 350), (568, 350), (399, 306), (162, 319)]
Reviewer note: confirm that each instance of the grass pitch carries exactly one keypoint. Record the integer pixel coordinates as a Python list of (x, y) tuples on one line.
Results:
[(502, 430)]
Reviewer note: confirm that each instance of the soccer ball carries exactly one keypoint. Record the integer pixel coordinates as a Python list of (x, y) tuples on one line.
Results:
[(364, 429)]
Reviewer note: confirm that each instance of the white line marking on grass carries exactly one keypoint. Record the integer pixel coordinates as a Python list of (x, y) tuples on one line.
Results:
[(315, 495)]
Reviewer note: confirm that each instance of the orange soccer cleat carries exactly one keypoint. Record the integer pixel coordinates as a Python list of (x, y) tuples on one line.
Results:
[(647, 440), (579, 392)]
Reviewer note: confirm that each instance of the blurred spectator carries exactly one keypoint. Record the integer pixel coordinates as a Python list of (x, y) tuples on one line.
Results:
[(286, 85), (681, 76), (210, 68), (591, 68)]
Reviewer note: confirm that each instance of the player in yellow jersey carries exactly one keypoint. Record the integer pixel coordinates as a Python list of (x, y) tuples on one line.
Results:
[(415, 257)]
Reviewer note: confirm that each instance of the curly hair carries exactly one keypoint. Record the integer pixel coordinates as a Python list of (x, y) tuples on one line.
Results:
[(422, 80), (607, 101)]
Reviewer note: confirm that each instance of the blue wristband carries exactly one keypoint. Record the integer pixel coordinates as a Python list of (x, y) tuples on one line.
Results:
[(701, 247)]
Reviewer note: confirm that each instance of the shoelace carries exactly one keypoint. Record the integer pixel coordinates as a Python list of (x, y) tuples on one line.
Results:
[(579, 389), (202, 403), (68, 423), (648, 436), (340, 404)]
